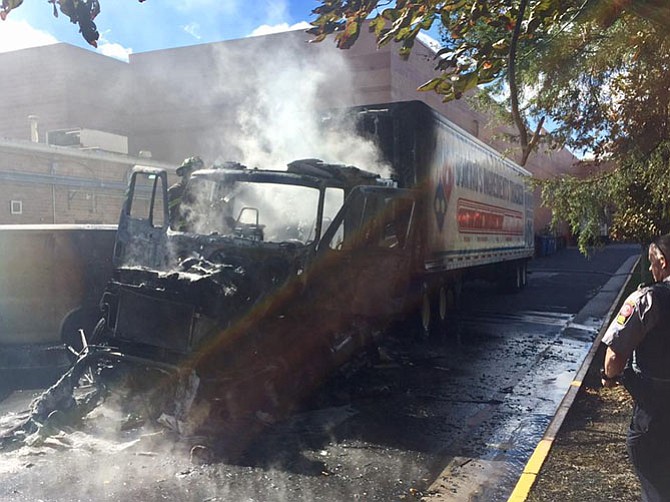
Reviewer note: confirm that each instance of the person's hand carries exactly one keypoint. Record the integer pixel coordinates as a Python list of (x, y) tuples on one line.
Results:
[(608, 382)]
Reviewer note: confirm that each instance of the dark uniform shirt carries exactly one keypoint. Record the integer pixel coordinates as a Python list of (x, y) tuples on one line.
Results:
[(642, 328), (175, 195)]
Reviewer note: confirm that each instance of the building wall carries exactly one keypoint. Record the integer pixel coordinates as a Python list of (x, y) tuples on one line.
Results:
[(66, 87), (63, 191)]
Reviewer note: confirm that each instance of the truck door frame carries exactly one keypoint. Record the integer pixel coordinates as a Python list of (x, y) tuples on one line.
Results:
[(145, 232), (373, 268)]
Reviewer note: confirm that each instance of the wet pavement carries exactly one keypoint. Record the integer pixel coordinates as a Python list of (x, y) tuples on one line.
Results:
[(452, 419)]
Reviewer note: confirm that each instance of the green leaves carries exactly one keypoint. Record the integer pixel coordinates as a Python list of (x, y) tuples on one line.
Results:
[(633, 198), (343, 18), (8, 5), (597, 69), (477, 32)]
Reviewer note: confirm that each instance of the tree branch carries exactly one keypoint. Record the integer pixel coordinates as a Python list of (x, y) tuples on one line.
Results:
[(513, 87), (533, 142)]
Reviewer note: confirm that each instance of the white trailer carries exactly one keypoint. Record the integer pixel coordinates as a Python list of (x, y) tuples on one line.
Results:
[(477, 208)]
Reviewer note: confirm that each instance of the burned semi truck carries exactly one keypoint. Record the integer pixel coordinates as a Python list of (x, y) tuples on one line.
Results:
[(268, 280)]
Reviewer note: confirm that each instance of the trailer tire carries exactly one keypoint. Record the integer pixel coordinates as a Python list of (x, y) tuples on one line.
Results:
[(511, 280), (426, 313), (419, 314), (518, 280), (447, 301), (436, 304)]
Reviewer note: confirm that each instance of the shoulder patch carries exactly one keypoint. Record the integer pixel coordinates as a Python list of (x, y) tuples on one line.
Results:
[(626, 311)]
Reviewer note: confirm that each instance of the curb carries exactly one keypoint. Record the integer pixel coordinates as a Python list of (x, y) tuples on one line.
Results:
[(541, 452)]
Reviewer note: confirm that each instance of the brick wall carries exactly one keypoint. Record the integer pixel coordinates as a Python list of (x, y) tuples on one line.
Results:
[(60, 192)]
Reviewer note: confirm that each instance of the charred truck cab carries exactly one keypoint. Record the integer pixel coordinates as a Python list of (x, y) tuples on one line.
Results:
[(258, 256)]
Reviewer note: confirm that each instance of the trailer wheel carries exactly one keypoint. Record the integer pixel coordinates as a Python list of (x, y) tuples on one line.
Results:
[(444, 297), (447, 301), (436, 303), (446, 305), (518, 280), (510, 279), (419, 319), (425, 312)]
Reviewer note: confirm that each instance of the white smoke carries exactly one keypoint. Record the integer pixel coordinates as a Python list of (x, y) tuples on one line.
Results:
[(279, 89)]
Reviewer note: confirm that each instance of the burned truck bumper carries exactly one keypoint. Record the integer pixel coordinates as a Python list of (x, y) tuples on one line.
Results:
[(168, 316)]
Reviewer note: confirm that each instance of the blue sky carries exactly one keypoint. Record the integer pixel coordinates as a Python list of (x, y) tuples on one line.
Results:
[(128, 26)]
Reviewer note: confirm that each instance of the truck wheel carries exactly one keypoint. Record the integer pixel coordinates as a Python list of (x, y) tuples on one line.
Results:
[(79, 318), (435, 306), (425, 312), (510, 279), (99, 332), (442, 303), (518, 280), (446, 303)]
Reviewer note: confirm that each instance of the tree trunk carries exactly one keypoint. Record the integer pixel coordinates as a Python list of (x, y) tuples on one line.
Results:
[(527, 145)]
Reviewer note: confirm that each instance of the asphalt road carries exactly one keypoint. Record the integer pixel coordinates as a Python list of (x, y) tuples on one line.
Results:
[(449, 420)]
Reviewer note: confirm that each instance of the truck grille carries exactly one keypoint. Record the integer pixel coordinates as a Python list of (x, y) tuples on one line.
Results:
[(154, 322)]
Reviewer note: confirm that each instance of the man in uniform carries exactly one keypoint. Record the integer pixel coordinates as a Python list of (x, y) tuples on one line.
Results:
[(176, 191), (638, 354)]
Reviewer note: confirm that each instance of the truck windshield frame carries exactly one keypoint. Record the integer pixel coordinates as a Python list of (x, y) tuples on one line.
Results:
[(257, 207)]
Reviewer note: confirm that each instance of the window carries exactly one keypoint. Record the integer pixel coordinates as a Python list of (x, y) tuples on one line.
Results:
[(16, 207), (147, 203), (332, 203), (273, 212), (374, 220)]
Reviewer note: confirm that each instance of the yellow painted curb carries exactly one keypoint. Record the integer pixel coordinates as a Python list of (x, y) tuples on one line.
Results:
[(530, 472)]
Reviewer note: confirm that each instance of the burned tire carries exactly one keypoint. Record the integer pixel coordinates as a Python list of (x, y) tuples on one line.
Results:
[(100, 332), (521, 276), (517, 283), (428, 312), (415, 322), (444, 298), (432, 315), (80, 318)]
